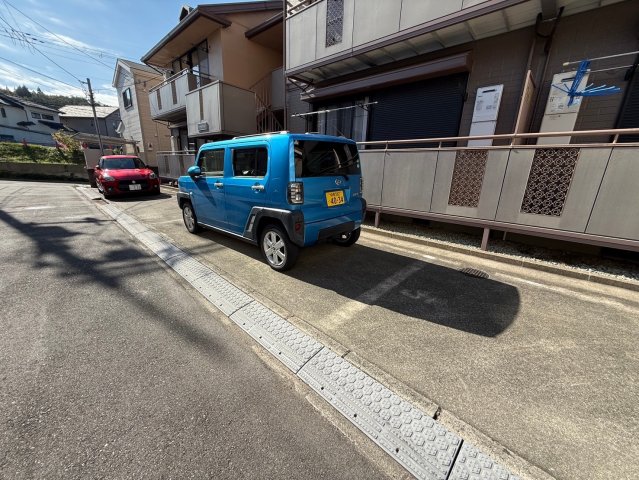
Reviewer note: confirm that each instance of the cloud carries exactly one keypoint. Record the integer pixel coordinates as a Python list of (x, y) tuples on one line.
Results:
[(65, 41)]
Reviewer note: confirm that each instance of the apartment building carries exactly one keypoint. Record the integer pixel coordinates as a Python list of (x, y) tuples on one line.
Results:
[(223, 73), (415, 68)]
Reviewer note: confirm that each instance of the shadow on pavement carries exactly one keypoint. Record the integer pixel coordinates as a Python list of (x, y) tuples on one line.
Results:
[(417, 289), (116, 261)]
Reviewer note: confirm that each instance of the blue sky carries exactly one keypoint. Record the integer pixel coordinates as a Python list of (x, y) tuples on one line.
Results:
[(83, 37)]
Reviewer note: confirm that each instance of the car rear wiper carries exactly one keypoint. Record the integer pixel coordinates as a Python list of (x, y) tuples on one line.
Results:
[(336, 170)]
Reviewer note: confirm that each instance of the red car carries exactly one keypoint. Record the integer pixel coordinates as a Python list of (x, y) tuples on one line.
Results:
[(122, 174)]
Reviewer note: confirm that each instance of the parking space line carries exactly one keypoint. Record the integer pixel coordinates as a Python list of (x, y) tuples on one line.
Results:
[(353, 308)]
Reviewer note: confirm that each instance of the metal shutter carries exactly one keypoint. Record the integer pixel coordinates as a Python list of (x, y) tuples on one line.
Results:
[(425, 109)]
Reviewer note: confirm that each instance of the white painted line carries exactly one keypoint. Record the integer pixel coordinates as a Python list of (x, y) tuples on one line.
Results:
[(352, 308), (39, 207), (571, 293)]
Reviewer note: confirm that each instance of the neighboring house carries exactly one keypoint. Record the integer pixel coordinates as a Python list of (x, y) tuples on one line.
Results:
[(80, 119), (22, 120), (223, 67), (133, 82), (419, 64)]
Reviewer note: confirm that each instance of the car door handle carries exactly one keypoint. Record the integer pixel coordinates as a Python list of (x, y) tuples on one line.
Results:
[(258, 188), (218, 184)]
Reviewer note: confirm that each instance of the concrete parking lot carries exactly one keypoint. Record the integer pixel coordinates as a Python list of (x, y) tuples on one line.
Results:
[(543, 365)]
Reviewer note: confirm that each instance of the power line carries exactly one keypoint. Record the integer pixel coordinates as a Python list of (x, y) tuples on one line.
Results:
[(56, 35), (40, 73)]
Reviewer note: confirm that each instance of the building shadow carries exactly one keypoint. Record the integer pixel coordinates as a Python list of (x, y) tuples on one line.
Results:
[(63, 249)]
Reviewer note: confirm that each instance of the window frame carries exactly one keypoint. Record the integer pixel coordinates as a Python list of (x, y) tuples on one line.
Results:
[(127, 98), (36, 115), (250, 147), (214, 173)]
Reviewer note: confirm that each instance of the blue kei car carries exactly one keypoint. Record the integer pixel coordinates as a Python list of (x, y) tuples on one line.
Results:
[(281, 191)]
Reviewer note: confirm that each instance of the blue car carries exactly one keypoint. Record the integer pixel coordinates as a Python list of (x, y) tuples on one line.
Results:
[(281, 191)]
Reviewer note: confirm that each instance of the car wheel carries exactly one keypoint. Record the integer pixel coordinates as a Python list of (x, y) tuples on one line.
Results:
[(348, 239), (278, 250), (190, 220)]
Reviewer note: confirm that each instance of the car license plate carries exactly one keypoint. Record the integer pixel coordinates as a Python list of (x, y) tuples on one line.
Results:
[(135, 186), (333, 199)]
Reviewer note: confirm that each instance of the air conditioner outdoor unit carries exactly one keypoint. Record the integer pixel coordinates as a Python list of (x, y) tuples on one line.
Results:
[(203, 127)]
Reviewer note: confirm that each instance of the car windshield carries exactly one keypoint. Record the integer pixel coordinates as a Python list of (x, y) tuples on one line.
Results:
[(316, 158), (122, 163)]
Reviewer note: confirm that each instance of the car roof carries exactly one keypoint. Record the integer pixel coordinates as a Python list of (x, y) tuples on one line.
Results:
[(119, 156), (277, 137)]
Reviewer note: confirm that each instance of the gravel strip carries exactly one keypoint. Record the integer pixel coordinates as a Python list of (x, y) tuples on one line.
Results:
[(618, 269)]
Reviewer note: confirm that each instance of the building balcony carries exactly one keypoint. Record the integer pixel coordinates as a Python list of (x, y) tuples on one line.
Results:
[(220, 109), (357, 37), (168, 99)]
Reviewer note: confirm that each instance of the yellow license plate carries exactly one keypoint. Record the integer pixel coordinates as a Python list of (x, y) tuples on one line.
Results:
[(333, 199)]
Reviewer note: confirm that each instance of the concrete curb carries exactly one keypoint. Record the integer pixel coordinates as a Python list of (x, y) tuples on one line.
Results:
[(543, 267)]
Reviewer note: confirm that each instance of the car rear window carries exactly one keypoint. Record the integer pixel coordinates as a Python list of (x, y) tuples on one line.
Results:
[(122, 163), (315, 158)]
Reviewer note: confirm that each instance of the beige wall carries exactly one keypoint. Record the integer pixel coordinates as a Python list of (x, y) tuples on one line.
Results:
[(246, 62)]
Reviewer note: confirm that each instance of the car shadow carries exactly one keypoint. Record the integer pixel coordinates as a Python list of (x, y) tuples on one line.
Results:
[(133, 197), (399, 283)]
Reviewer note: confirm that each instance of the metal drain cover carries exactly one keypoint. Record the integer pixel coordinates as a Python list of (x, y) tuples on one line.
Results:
[(473, 272)]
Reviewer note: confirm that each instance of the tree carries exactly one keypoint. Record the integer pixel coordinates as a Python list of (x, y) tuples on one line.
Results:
[(22, 91)]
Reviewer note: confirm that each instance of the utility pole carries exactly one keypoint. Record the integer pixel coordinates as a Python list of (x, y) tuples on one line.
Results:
[(95, 117)]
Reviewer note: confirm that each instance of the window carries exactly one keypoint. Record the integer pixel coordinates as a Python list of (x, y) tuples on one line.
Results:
[(35, 115), (127, 163), (334, 22), (126, 98), (47, 117), (212, 162), (4, 112), (250, 162), (316, 159)]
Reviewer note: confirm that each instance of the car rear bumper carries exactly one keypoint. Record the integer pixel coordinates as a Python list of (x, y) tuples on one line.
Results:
[(325, 229)]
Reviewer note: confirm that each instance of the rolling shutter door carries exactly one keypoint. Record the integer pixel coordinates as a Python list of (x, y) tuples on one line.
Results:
[(425, 109)]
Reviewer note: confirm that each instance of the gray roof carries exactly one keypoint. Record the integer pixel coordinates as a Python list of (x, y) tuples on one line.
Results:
[(85, 111), (19, 101), (138, 66)]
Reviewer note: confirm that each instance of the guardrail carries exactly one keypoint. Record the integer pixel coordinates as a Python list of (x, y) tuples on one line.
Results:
[(581, 192)]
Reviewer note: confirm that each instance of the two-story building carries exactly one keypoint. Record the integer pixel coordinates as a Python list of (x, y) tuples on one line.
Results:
[(132, 82), (22, 120), (397, 74), (223, 73), (410, 69)]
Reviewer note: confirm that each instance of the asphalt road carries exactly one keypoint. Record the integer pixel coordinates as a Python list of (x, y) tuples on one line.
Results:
[(111, 368), (545, 365)]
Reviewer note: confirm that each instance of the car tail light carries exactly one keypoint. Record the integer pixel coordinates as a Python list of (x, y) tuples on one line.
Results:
[(296, 192)]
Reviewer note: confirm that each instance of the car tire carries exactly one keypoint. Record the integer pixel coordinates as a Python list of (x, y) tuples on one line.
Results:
[(190, 220), (278, 250), (348, 239)]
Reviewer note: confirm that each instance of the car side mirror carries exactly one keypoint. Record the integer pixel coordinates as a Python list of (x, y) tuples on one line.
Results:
[(194, 171)]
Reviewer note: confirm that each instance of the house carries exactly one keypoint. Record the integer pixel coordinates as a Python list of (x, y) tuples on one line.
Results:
[(79, 118), (411, 69), (132, 82), (25, 121), (223, 73)]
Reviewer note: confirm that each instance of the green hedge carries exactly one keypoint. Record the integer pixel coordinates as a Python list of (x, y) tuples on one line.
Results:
[(16, 152)]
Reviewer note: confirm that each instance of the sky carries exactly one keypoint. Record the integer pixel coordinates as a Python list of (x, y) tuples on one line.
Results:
[(57, 45)]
